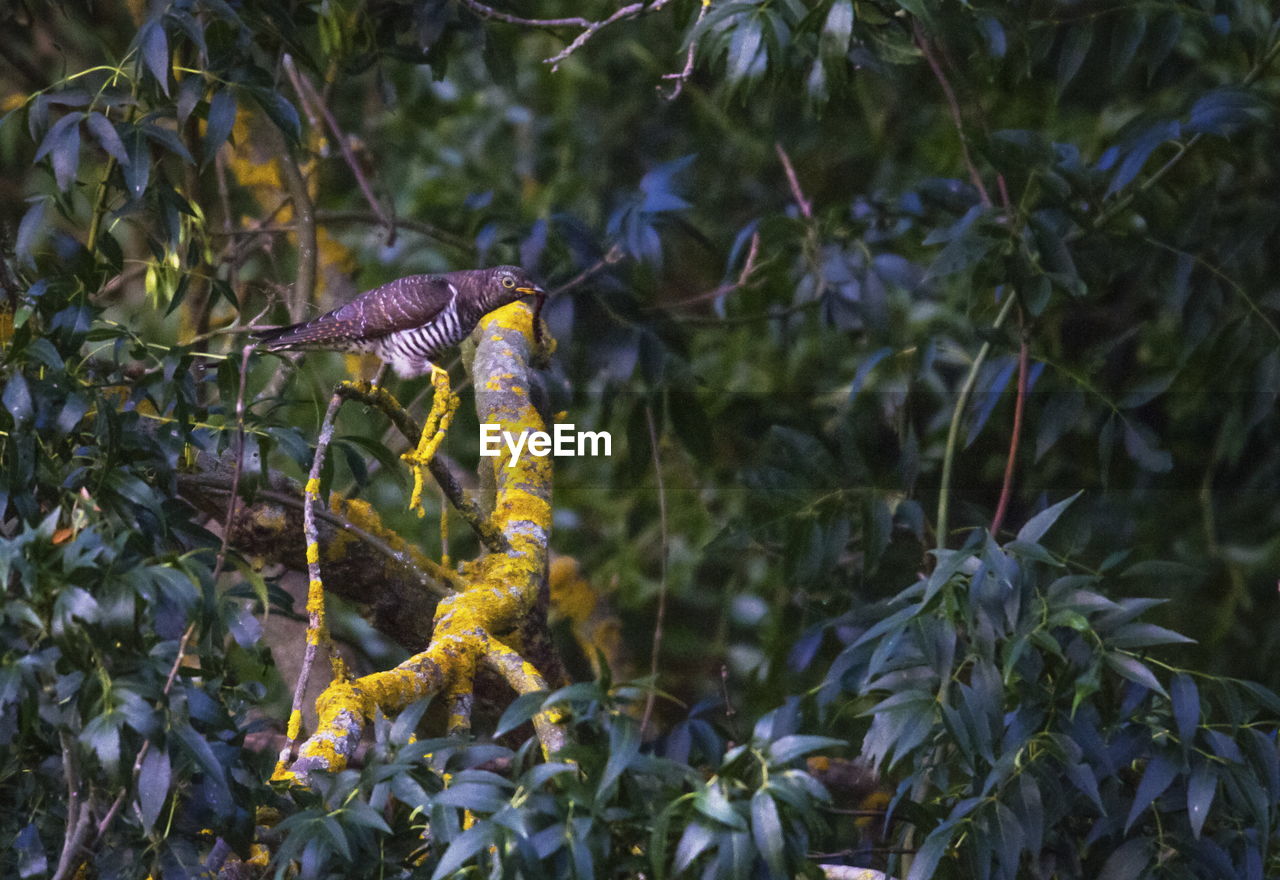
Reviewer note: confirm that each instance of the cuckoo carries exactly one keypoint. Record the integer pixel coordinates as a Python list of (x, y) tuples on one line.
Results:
[(410, 323)]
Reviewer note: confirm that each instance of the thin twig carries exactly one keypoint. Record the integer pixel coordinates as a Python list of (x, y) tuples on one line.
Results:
[(953, 432), (1122, 203), (588, 28), (489, 12), (750, 319), (661, 614), (304, 286), (228, 221), (461, 499), (1006, 488), (316, 629), (613, 255), (78, 819), (430, 575), (806, 209), (443, 236), (953, 104), (683, 76), (309, 96), (629, 11), (720, 290)]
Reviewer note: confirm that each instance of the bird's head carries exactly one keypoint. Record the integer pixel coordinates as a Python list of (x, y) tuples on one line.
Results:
[(510, 283)]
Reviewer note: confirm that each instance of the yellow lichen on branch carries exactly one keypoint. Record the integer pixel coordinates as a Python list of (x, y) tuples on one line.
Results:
[(498, 589)]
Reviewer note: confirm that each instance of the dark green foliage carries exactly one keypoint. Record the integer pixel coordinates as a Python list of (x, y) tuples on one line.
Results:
[(604, 807), (798, 348), (1031, 733)]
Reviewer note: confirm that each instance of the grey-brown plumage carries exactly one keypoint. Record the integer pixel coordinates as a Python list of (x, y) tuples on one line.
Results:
[(411, 321)]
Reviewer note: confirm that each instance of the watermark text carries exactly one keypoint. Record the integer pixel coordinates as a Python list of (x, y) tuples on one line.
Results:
[(563, 441)]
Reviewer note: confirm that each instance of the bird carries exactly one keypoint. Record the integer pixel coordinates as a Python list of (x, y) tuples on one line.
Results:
[(411, 321)]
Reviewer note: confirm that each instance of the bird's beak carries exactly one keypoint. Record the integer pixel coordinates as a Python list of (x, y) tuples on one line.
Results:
[(531, 291)]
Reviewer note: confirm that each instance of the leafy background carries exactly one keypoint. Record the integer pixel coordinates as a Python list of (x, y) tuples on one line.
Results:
[(793, 265)]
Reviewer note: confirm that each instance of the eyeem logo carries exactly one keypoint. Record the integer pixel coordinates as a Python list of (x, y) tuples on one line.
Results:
[(563, 442)]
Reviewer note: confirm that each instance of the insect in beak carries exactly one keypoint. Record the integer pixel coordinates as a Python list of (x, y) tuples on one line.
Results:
[(540, 299)]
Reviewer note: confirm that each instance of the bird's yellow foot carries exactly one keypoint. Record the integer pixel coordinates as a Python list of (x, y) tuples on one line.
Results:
[(443, 405)]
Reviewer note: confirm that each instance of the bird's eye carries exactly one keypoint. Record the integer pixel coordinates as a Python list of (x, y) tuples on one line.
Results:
[(508, 281)]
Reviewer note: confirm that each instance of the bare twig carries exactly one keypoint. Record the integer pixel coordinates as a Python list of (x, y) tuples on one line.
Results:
[(304, 286), (806, 209), (613, 255), (317, 631), (228, 221), (449, 483), (78, 817), (1006, 488), (309, 96), (489, 12), (953, 104), (588, 28), (660, 616), (748, 267), (430, 576), (441, 235), (679, 79), (953, 431)]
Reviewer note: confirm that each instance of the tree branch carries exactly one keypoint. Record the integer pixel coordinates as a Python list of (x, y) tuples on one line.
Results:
[(501, 588), (1019, 404), (310, 97), (588, 27), (953, 104)]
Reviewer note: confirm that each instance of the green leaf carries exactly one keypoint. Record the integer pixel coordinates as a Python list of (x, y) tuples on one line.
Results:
[(837, 31), (1145, 635), (935, 846), (713, 804), (1126, 36), (474, 796), (1075, 46), (1185, 698), (29, 232), (1127, 862), (743, 47), (1134, 670), (222, 115), (1201, 788), (695, 841), (1140, 444), (154, 778), (462, 849), (104, 132), (17, 399), (32, 860), (138, 172), (519, 711), (1158, 776), (766, 831), (102, 734), (1035, 527), (624, 746), (154, 45), (281, 112), (788, 748)]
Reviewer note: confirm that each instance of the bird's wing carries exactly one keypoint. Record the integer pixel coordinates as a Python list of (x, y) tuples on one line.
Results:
[(398, 305)]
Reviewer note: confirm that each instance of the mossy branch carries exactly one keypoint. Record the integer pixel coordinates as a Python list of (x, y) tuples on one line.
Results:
[(500, 588)]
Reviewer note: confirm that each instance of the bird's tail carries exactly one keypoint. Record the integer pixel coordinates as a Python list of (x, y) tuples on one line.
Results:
[(270, 339), (323, 334)]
